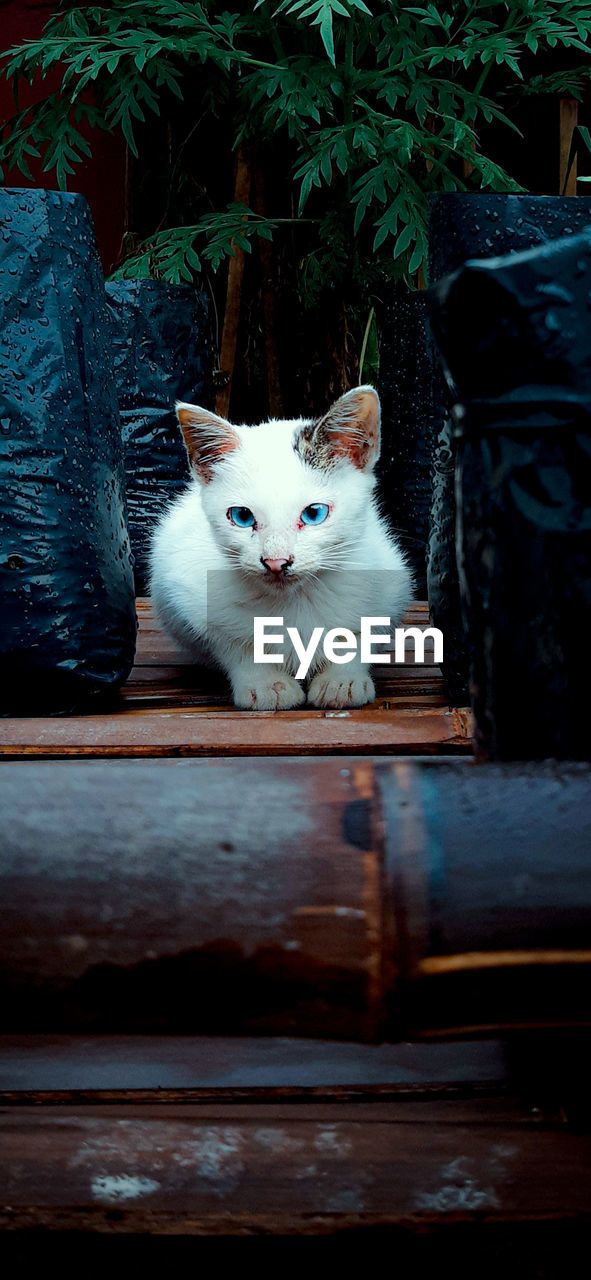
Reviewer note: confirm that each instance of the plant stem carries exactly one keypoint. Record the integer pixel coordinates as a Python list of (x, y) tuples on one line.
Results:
[(348, 102)]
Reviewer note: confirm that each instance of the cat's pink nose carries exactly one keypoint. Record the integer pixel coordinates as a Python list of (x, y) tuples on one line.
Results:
[(277, 566)]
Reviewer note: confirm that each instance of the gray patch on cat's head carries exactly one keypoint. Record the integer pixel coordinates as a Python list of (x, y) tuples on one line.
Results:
[(311, 447), (349, 431)]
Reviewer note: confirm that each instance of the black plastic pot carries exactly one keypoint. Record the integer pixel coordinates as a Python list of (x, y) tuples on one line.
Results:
[(66, 583), (405, 466), (162, 351), (461, 227), (514, 333)]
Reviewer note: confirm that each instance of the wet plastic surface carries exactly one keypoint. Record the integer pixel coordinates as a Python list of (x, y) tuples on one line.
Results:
[(462, 227), (162, 352), (515, 336), (405, 466), (66, 585), (492, 224)]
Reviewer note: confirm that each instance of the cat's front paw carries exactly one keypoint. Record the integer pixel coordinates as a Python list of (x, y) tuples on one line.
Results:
[(335, 688), (268, 695)]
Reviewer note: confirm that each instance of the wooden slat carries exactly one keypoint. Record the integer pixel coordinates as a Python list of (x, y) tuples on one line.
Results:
[(155, 647), (276, 1067), (193, 733), (169, 707), (305, 1168)]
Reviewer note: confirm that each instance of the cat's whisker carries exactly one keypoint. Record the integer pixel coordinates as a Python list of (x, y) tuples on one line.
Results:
[(344, 564)]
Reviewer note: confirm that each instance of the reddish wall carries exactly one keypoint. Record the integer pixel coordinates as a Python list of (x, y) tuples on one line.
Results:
[(101, 179)]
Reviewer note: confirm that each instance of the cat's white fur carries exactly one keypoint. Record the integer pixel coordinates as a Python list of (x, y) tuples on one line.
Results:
[(337, 574)]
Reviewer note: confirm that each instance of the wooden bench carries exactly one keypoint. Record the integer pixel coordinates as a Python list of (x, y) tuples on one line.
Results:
[(168, 708)]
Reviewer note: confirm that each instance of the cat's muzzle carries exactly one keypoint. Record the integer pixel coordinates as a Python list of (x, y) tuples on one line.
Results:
[(277, 568)]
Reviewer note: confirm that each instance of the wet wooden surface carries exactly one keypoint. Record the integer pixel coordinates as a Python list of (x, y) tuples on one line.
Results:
[(208, 1144), (308, 1167), (169, 708), (50, 1069)]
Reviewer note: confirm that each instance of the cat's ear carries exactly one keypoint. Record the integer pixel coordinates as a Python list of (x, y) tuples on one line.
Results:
[(207, 438), (349, 431)]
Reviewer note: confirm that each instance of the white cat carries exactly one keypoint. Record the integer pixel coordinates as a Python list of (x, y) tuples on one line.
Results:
[(285, 513)]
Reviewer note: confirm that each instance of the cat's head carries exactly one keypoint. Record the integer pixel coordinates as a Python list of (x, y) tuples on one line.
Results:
[(287, 499)]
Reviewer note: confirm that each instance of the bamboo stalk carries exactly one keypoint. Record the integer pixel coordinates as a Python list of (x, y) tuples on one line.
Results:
[(568, 119), (242, 185), (356, 899), (269, 308)]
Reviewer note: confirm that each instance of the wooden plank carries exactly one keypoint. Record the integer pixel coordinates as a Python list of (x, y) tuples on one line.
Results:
[(413, 697), (255, 1066), (164, 732), (306, 1168), (154, 646)]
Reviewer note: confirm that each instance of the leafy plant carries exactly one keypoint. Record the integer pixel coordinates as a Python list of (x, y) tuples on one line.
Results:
[(376, 105)]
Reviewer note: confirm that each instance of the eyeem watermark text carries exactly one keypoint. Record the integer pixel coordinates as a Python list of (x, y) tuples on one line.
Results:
[(341, 645)]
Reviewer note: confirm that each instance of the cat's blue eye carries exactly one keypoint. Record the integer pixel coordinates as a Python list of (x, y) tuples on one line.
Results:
[(241, 516), (315, 513)]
